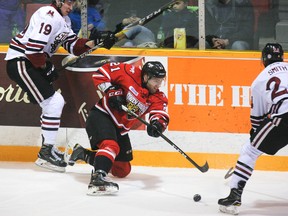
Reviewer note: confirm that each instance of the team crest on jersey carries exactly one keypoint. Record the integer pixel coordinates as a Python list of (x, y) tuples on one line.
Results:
[(58, 41), (135, 105), (50, 13)]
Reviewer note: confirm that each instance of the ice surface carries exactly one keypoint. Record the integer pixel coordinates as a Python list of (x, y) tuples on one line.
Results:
[(28, 190)]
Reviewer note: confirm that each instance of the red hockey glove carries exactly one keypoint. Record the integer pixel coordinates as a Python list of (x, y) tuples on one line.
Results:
[(115, 97)]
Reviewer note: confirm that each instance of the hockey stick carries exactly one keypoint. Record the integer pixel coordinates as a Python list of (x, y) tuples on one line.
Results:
[(72, 61), (142, 21), (203, 168), (152, 15), (229, 173), (78, 58)]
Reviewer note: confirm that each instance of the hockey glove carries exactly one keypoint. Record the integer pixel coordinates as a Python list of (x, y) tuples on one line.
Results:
[(155, 128), (109, 40), (107, 37), (49, 72), (115, 97)]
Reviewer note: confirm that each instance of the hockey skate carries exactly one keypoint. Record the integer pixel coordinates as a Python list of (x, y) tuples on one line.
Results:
[(49, 157), (231, 203), (79, 153), (100, 185)]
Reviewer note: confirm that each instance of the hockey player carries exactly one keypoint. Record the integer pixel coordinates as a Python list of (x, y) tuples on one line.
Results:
[(269, 120), (107, 125), (29, 66)]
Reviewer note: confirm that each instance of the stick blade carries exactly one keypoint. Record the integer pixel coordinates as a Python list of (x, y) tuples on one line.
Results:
[(69, 60), (229, 173), (204, 168)]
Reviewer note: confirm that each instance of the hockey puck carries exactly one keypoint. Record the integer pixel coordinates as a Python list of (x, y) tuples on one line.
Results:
[(197, 197)]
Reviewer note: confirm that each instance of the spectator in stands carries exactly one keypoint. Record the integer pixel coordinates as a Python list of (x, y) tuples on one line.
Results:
[(229, 24), (136, 36), (12, 18), (94, 19), (180, 17)]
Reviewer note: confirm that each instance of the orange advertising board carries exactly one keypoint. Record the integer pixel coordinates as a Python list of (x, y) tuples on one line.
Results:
[(210, 94)]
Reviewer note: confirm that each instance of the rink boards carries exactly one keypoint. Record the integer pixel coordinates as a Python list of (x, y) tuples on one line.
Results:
[(208, 94)]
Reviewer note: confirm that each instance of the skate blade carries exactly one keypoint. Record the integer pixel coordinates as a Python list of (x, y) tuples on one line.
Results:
[(98, 191), (46, 165), (233, 210), (71, 163)]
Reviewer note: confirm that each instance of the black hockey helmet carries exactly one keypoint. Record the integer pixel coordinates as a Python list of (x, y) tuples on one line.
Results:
[(272, 52), (154, 69)]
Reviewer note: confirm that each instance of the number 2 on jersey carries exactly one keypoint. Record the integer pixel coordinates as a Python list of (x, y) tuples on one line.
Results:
[(275, 92)]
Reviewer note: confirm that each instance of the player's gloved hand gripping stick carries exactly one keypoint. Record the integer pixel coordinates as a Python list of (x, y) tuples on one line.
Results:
[(203, 168), (142, 21)]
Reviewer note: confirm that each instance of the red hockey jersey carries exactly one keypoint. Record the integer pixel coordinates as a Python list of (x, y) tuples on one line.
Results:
[(138, 99)]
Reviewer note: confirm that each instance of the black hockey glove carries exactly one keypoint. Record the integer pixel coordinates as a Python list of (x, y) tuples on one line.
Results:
[(97, 36), (49, 72), (107, 37), (115, 97), (155, 128), (109, 40)]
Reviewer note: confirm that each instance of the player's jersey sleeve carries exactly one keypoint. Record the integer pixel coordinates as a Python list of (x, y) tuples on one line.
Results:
[(72, 43), (108, 75), (158, 107)]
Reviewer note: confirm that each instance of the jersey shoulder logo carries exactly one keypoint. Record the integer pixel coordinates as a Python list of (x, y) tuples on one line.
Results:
[(50, 13), (132, 69)]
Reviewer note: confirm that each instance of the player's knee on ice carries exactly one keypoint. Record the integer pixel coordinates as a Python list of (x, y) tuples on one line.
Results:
[(121, 169)]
